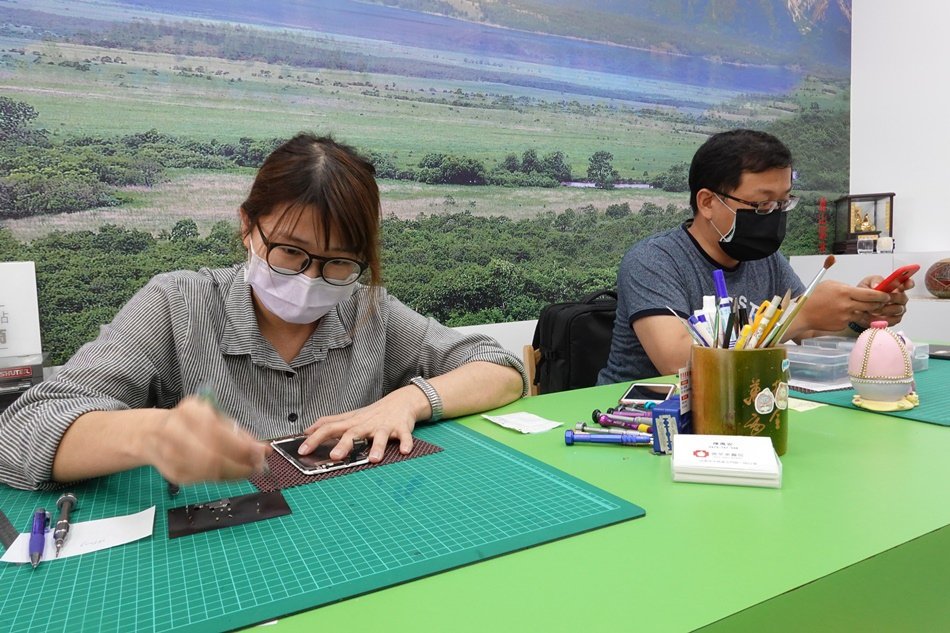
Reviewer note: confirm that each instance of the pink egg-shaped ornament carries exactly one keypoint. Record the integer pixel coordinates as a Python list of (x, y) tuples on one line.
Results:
[(881, 371)]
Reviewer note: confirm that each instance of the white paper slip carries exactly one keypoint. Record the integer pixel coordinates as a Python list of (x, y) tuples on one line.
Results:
[(807, 385), (85, 537), (523, 422), (797, 404), (726, 459)]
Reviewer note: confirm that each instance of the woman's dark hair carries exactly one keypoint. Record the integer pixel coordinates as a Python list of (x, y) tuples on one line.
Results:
[(316, 174), (719, 163)]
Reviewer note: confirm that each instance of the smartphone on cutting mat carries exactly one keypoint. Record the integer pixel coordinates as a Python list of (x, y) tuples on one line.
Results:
[(319, 460)]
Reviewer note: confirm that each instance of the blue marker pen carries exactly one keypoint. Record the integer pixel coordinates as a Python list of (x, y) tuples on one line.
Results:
[(571, 437), (719, 280), (38, 536)]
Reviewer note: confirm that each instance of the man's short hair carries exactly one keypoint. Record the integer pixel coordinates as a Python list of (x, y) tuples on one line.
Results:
[(719, 163)]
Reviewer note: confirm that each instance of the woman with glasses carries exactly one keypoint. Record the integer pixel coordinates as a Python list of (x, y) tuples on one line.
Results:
[(300, 339), (740, 192)]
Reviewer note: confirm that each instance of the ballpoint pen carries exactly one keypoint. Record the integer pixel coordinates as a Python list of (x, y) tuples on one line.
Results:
[(38, 536), (66, 503)]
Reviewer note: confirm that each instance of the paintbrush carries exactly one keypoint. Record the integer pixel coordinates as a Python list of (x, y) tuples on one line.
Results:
[(795, 306)]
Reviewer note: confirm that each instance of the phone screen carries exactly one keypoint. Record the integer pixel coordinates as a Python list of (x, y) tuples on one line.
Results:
[(319, 460), (647, 391), (940, 351)]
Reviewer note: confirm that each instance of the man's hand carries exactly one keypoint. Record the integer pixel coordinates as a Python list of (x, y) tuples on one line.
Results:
[(893, 309), (833, 305)]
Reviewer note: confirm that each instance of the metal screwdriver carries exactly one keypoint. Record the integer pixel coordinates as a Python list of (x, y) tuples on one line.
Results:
[(65, 503)]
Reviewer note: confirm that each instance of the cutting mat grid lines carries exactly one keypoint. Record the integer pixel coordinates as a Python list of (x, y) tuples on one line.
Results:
[(931, 385), (347, 535)]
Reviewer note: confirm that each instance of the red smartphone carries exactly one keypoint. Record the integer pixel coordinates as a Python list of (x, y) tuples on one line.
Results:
[(896, 278)]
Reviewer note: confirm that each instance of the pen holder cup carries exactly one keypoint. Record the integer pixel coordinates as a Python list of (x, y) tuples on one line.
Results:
[(740, 392)]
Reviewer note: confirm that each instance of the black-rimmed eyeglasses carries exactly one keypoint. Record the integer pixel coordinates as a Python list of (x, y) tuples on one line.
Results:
[(766, 206), (286, 259)]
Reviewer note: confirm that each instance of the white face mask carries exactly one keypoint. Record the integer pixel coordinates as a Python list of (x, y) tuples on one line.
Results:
[(293, 298)]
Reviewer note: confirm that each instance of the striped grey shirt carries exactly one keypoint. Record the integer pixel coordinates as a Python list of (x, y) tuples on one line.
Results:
[(185, 329)]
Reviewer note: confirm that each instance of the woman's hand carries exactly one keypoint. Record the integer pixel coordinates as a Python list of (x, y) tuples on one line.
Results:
[(194, 442), (392, 417)]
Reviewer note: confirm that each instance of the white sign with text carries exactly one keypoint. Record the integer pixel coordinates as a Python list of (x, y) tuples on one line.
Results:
[(19, 310)]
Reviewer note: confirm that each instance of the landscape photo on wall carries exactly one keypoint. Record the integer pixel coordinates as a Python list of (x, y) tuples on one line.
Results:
[(521, 146)]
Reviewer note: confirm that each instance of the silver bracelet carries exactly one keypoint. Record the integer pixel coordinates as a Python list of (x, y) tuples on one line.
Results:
[(435, 402)]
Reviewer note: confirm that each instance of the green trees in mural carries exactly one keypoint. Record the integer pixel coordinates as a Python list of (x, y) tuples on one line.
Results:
[(16, 119), (676, 178), (600, 170), (486, 269)]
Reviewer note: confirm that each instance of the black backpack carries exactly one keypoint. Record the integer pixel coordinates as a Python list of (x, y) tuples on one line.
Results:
[(574, 341)]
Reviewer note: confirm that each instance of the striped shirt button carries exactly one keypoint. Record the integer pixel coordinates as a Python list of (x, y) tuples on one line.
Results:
[(292, 417)]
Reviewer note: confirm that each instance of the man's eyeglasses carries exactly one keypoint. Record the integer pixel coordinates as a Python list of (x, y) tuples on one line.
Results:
[(286, 259), (765, 207)]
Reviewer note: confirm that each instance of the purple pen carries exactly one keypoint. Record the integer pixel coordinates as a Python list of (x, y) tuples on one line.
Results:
[(38, 536)]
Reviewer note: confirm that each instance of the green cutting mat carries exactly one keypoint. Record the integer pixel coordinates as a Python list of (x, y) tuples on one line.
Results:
[(348, 535), (933, 387)]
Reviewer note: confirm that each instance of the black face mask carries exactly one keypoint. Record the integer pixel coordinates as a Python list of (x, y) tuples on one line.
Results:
[(753, 236)]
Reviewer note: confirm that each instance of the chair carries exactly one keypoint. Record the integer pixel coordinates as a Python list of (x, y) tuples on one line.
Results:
[(531, 358)]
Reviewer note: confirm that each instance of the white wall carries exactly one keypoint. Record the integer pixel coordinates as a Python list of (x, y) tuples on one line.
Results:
[(927, 316), (900, 130), (513, 336)]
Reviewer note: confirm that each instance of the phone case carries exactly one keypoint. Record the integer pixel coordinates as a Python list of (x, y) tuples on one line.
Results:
[(897, 277)]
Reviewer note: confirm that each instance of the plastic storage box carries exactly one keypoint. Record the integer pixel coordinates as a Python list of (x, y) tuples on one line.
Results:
[(845, 343), (921, 359), (919, 362), (818, 364)]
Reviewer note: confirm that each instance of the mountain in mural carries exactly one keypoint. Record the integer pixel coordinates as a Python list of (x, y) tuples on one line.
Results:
[(763, 31)]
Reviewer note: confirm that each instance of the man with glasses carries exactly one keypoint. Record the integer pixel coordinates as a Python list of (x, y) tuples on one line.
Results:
[(740, 192)]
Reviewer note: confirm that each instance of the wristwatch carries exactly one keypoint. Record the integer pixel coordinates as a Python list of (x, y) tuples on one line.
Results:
[(857, 327), (435, 402)]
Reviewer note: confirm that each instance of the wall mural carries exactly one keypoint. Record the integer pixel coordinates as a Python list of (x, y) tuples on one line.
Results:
[(521, 146)]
